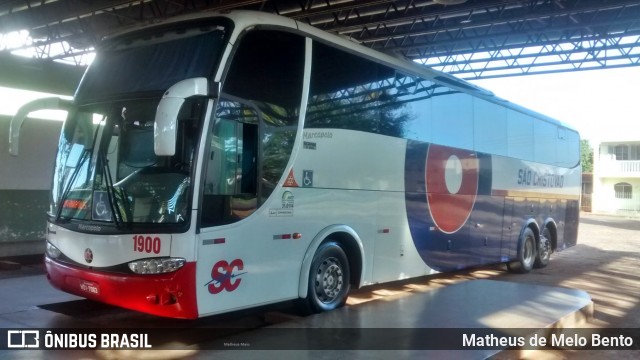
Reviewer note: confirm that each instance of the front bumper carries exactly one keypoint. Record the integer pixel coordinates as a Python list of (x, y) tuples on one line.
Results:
[(169, 295)]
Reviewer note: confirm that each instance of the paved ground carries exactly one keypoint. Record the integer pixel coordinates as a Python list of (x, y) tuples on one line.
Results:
[(604, 263)]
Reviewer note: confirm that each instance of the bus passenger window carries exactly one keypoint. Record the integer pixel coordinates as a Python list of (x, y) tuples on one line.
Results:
[(255, 125), (230, 182)]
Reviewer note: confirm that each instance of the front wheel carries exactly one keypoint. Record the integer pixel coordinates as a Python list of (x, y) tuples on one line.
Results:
[(328, 278), (526, 253)]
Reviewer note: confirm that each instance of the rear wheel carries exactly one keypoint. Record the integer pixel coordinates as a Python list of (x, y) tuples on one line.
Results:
[(526, 253), (328, 278), (544, 249)]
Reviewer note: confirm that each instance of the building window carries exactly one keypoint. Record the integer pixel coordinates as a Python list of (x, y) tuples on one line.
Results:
[(634, 152), (622, 152), (623, 190)]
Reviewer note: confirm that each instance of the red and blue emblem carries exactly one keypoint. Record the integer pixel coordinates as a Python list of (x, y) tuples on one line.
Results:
[(451, 179), (445, 189)]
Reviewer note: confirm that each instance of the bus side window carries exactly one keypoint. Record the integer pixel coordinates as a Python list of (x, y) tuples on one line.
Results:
[(230, 191), (255, 125)]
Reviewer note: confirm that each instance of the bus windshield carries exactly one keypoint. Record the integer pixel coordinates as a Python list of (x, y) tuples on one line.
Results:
[(106, 169)]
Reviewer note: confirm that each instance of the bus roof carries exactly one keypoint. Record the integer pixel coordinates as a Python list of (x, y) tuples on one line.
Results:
[(246, 19)]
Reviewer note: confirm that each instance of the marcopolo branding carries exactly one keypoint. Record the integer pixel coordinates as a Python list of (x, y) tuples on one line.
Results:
[(317, 135), (84, 227)]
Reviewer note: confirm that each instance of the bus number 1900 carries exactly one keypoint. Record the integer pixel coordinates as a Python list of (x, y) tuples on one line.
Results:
[(146, 244)]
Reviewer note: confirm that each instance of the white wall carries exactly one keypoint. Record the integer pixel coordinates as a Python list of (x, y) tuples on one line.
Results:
[(33, 168), (605, 194)]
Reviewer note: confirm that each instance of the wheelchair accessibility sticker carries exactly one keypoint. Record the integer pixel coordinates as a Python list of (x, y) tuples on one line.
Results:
[(307, 178)]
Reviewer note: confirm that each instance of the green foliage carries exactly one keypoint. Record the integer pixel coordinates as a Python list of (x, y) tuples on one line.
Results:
[(586, 156)]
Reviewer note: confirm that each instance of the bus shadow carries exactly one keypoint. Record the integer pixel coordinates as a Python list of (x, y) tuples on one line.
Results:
[(611, 278)]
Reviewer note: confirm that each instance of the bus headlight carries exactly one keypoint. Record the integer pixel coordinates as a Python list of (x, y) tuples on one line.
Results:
[(156, 266), (52, 251)]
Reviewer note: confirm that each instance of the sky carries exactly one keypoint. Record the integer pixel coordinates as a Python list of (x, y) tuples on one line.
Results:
[(600, 104)]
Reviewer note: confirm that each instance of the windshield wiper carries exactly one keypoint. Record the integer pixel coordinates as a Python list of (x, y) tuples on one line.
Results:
[(113, 200)]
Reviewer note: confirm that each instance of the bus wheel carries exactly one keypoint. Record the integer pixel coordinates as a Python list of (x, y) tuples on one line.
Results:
[(544, 249), (328, 278), (526, 253)]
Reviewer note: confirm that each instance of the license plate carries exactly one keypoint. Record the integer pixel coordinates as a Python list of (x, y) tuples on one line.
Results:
[(89, 287)]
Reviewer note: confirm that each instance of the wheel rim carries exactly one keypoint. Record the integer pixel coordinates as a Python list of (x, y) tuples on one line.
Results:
[(545, 248), (528, 255), (329, 280)]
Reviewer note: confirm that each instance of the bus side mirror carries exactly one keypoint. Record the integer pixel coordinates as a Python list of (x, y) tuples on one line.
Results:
[(165, 127), (52, 103)]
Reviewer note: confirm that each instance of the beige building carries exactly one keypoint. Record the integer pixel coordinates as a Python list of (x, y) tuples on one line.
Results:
[(616, 177)]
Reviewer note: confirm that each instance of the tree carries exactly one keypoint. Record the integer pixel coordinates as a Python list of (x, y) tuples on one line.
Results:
[(586, 156)]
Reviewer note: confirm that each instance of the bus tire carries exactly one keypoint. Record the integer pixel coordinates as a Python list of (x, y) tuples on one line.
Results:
[(526, 253), (328, 278), (544, 249)]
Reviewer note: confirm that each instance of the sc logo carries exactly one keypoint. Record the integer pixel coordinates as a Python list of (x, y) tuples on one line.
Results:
[(224, 276)]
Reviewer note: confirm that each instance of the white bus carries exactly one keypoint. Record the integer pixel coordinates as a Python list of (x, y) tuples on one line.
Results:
[(223, 161)]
